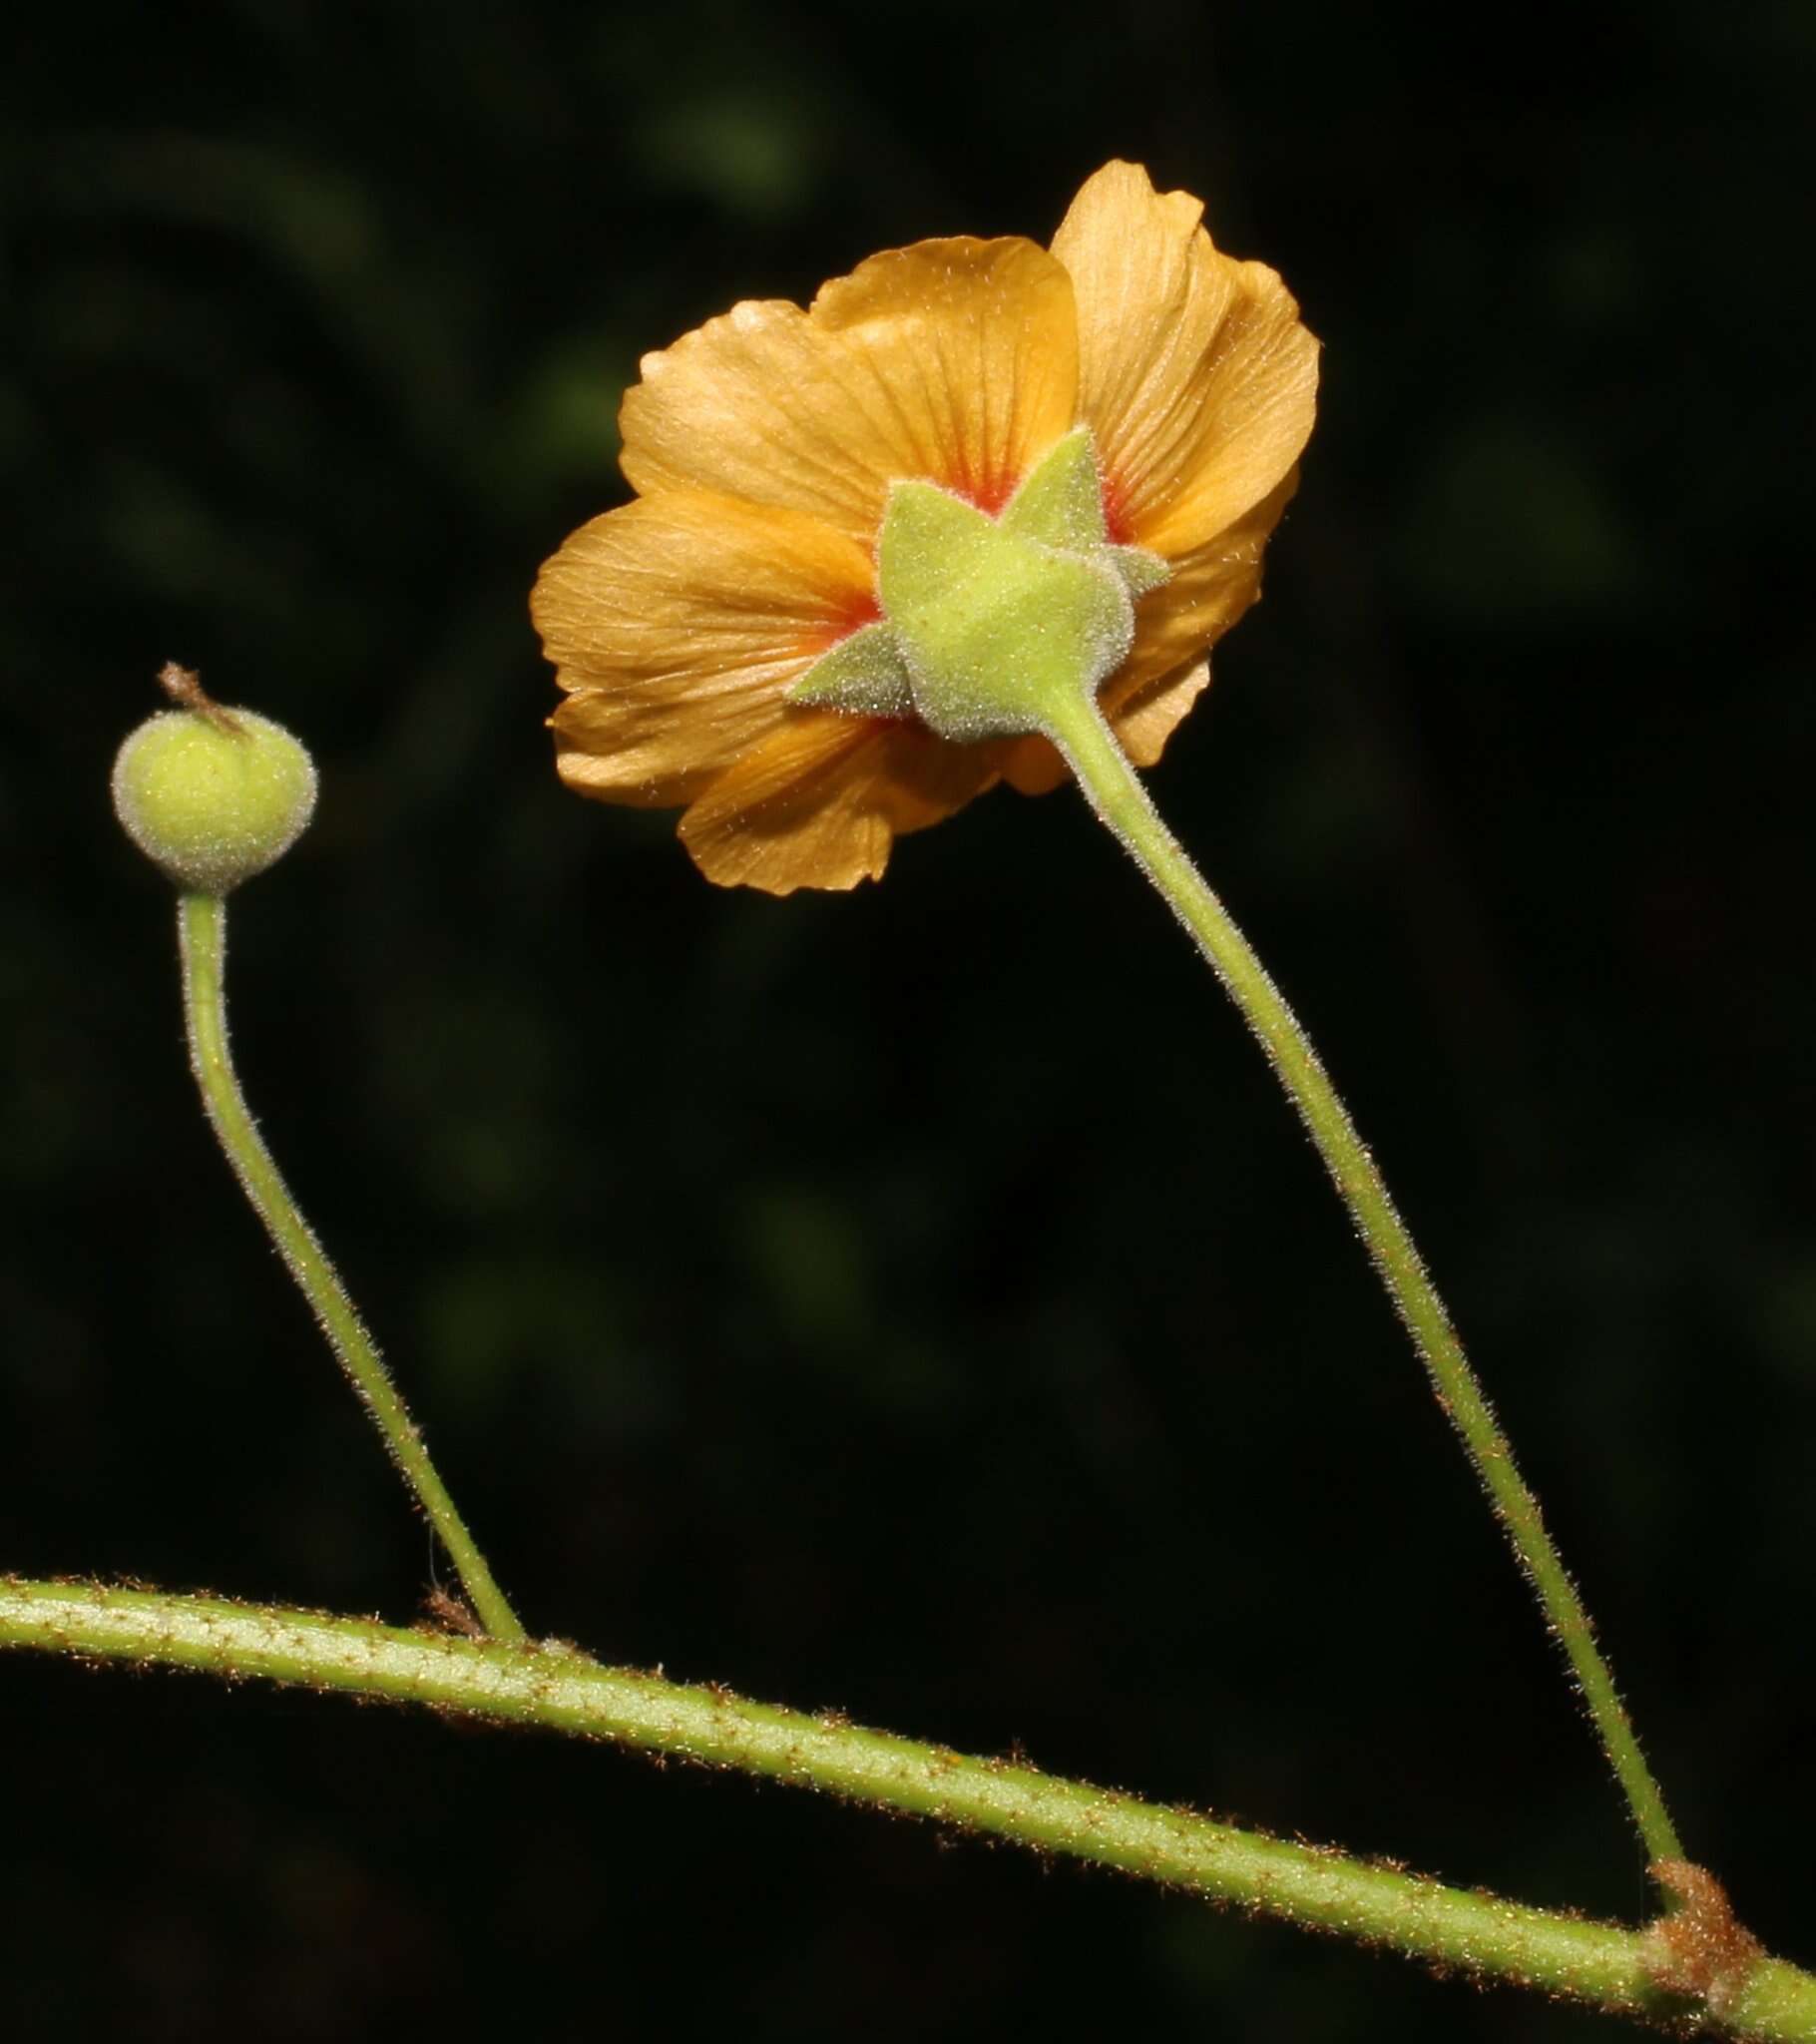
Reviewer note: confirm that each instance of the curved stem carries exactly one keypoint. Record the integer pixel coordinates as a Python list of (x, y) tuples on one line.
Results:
[(561, 1690), (202, 936), (1123, 803)]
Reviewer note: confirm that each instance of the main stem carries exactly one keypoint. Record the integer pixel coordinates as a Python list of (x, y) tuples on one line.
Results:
[(1119, 797), (202, 936), (561, 1690)]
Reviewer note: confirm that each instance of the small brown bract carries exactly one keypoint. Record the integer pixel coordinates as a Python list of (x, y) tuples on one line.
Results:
[(1700, 1948)]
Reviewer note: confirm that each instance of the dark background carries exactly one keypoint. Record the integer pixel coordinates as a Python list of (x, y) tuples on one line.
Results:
[(917, 1302)]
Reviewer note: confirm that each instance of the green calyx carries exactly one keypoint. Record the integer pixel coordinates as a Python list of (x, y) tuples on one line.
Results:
[(211, 795), (991, 625)]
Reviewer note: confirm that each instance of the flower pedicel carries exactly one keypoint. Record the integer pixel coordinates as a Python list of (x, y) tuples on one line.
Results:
[(858, 527)]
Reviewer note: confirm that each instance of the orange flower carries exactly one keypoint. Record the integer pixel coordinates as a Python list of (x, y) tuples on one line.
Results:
[(762, 449)]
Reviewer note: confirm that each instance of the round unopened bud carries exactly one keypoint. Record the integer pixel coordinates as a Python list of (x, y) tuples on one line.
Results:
[(212, 796)]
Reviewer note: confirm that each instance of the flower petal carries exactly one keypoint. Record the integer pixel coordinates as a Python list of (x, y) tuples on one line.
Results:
[(1211, 589), (955, 362), (1150, 716), (1193, 370), (1034, 767), (821, 801), (677, 624)]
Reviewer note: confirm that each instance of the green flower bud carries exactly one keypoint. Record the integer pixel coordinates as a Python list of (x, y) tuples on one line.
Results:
[(211, 795)]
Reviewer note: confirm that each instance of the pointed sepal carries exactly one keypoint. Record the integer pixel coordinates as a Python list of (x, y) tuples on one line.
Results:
[(1061, 499), (864, 675), (1141, 571)]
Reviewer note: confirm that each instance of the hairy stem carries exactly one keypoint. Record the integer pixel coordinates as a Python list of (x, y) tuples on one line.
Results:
[(202, 930), (560, 1689), (1121, 803)]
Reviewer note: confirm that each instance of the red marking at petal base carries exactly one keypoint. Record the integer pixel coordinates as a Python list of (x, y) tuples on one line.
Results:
[(991, 495), (989, 492), (860, 611), (1115, 511)]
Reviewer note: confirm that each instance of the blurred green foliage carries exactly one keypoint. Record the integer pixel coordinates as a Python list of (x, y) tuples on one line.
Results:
[(916, 1302)]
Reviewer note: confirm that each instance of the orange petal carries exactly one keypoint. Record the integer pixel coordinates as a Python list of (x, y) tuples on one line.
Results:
[(1194, 372), (1209, 590), (677, 624), (1149, 717), (1034, 767), (821, 801), (953, 360)]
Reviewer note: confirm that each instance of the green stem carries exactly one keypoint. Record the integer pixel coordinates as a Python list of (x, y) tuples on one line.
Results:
[(202, 936), (1121, 800), (560, 1689)]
